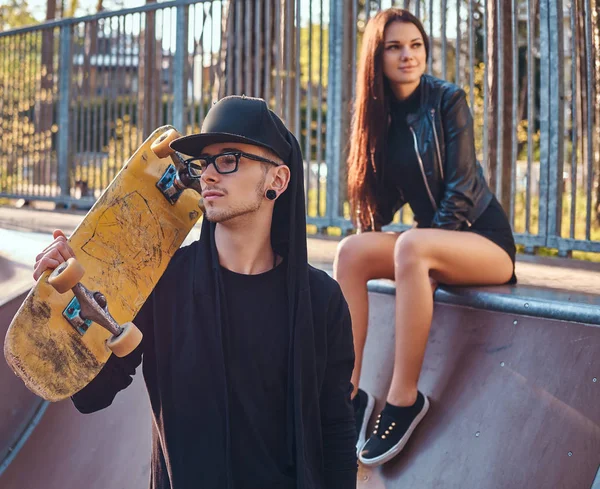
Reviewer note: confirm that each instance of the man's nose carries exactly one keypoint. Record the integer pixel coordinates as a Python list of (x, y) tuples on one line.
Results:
[(210, 175)]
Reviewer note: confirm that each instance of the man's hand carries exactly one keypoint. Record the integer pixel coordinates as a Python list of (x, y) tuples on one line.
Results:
[(58, 252)]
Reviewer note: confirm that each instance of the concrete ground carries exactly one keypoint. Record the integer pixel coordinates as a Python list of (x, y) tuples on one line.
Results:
[(36, 226)]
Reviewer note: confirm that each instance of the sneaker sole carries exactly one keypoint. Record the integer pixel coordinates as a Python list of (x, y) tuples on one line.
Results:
[(362, 436), (397, 448)]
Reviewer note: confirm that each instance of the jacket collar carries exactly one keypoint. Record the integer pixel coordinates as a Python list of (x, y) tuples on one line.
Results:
[(428, 96)]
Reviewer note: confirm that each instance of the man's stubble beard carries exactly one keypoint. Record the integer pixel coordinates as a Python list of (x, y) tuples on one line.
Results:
[(224, 215)]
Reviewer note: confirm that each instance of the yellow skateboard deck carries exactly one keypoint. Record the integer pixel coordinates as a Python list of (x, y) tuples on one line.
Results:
[(124, 244)]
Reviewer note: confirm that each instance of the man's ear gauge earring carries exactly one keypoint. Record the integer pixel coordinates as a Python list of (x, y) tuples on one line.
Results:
[(271, 194)]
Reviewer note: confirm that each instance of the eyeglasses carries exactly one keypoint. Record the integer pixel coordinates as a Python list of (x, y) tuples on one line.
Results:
[(224, 163)]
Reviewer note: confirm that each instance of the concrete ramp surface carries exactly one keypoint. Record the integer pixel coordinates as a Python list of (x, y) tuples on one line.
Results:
[(52, 446), (515, 402)]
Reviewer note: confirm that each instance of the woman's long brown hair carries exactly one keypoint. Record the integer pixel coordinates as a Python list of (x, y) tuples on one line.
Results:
[(368, 137)]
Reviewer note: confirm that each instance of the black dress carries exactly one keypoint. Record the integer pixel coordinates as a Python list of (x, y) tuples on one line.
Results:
[(402, 170)]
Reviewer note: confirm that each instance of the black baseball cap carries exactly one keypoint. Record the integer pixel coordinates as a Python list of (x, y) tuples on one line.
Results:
[(238, 119)]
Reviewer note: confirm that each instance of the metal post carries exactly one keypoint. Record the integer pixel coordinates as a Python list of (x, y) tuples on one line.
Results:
[(430, 60), (574, 127), (590, 116), (334, 106), (63, 110), (308, 151), (515, 110), (471, 58), (297, 69), (486, 163), (457, 48), (530, 113), (258, 59), (545, 114), (444, 13), (179, 56), (557, 120), (498, 43), (247, 36)]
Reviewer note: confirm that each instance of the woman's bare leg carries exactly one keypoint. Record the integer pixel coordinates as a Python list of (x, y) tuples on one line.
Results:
[(361, 258), (449, 257)]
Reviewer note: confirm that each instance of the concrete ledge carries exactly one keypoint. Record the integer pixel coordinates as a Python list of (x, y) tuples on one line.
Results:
[(523, 300)]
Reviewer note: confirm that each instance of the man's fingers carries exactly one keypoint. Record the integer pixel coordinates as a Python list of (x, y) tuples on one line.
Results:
[(59, 239), (51, 259), (46, 263), (53, 255), (65, 250), (62, 238), (60, 244)]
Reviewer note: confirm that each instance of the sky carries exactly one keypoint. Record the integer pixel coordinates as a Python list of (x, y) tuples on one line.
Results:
[(38, 7)]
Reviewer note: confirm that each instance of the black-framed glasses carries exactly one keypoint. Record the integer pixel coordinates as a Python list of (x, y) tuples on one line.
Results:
[(224, 162)]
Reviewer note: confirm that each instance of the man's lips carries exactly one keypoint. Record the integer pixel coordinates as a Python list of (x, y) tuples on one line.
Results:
[(211, 195)]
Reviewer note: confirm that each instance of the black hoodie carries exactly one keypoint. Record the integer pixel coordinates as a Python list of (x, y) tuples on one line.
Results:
[(184, 367)]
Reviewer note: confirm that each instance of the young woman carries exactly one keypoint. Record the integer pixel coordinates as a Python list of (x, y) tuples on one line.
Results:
[(412, 142)]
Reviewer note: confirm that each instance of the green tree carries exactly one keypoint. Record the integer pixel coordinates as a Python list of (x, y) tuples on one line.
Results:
[(16, 13)]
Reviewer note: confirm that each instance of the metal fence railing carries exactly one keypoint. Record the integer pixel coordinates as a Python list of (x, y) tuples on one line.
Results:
[(78, 95)]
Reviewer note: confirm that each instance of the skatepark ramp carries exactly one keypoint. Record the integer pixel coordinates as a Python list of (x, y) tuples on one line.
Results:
[(513, 375)]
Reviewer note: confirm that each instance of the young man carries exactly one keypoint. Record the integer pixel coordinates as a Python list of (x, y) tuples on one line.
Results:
[(247, 349)]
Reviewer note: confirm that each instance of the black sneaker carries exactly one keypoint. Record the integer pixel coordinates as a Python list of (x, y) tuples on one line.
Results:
[(363, 408), (392, 430)]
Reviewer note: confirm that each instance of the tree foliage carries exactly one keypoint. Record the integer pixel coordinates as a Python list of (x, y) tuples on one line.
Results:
[(16, 13)]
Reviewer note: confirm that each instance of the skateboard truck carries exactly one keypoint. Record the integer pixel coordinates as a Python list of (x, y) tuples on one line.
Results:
[(172, 183), (88, 306), (176, 178), (72, 313)]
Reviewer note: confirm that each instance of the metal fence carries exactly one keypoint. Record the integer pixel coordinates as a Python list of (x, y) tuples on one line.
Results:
[(78, 95)]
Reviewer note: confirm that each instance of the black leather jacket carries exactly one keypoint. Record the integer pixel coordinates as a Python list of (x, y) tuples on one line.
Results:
[(443, 135)]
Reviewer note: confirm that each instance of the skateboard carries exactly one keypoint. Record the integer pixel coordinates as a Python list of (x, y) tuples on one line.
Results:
[(80, 313)]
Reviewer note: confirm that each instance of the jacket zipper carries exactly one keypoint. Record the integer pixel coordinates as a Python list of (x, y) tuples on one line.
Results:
[(423, 169), (437, 143)]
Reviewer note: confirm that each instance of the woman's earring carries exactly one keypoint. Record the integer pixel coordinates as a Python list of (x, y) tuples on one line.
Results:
[(271, 194)]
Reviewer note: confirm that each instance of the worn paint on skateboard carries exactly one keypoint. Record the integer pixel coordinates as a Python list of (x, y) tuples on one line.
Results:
[(124, 244)]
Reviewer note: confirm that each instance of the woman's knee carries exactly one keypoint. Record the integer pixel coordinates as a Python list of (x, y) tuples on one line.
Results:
[(350, 253), (409, 251), (365, 256)]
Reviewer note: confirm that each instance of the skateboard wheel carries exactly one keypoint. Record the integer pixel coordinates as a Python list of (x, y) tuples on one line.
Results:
[(66, 276), (160, 147), (126, 342)]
